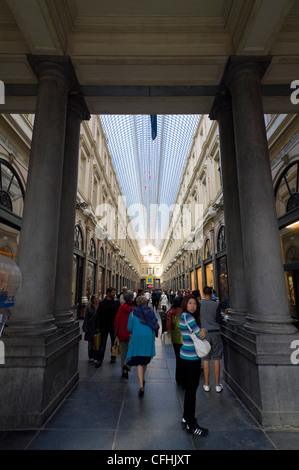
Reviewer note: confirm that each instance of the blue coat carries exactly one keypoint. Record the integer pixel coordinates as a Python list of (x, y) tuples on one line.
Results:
[(142, 341)]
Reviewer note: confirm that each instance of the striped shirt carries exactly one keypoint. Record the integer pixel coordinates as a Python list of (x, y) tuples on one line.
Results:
[(187, 351)]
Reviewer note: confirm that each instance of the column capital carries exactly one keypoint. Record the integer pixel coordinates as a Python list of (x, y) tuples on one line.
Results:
[(54, 67), (249, 67)]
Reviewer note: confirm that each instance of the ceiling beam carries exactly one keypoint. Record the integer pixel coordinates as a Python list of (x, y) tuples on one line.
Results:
[(18, 89)]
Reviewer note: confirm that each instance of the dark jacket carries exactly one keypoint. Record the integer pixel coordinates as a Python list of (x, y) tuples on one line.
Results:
[(89, 323), (106, 314)]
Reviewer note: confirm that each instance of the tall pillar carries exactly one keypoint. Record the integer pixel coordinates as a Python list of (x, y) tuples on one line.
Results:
[(41, 360), (77, 111), (33, 311), (257, 355), (264, 275), (222, 112)]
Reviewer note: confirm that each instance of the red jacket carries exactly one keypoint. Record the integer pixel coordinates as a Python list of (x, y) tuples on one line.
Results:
[(121, 321)]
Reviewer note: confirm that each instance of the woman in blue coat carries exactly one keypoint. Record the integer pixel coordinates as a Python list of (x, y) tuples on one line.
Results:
[(144, 326)]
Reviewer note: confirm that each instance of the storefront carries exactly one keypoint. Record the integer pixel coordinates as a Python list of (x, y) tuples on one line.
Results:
[(287, 207), (222, 273), (101, 273), (208, 264), (78, 267), (91, 269), (11, 209)]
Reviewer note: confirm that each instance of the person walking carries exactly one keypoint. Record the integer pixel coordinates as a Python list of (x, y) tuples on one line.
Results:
[(173, 327), (164, 301), (121, 297), (89, 326), (211, 318), (191, 363), (144, 327), (121, 330), (106, 314)]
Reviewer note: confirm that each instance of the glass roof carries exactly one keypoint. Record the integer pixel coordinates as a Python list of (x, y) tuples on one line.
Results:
[(149, 171)]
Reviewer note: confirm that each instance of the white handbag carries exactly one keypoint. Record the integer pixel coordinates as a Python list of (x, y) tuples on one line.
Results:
[(166, 338), (202, 346)]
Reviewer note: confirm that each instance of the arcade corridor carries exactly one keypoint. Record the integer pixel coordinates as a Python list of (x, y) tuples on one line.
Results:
[(233, 61), (103, 412)]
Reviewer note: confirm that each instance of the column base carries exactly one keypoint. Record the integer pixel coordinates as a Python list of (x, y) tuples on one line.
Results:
[(37, 375), (64, 319), (260, 369), (236, 316), (258, 324), (28, 327)]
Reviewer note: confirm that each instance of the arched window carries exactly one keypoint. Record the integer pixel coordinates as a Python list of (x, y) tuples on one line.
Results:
[(208, 249), (292, 255), (101, 257), (92, 248), (221, 242), (78, 238), (287, 189), (91, 269), (191, 260), (11, 189)]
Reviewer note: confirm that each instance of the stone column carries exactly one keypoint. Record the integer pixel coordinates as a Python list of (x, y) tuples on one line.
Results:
[(264, 275), (33, 311), (222, 112), (77, 111)]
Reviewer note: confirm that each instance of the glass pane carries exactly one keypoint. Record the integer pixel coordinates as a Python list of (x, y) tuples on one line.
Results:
[(288, 186), (199, 279), (11, 195), (291, 293), (289, 237), (90, 285), (9, 241), (209, 275), (223, 280), (156, 161), (74, 280)]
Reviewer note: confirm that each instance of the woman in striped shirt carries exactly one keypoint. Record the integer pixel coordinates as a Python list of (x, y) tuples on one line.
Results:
[(191, 363)]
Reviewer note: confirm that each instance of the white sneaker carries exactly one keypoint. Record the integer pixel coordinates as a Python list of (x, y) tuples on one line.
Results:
[(219, 388), (206, 388)]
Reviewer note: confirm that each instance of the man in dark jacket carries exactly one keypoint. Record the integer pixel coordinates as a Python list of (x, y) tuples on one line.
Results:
[(106, 314)]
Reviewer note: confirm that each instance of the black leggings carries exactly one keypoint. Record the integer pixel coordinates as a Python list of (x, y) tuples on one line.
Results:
[(191, 382)]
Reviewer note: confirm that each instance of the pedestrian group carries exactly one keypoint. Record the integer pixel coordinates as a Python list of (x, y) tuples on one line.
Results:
[(134, 324)]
